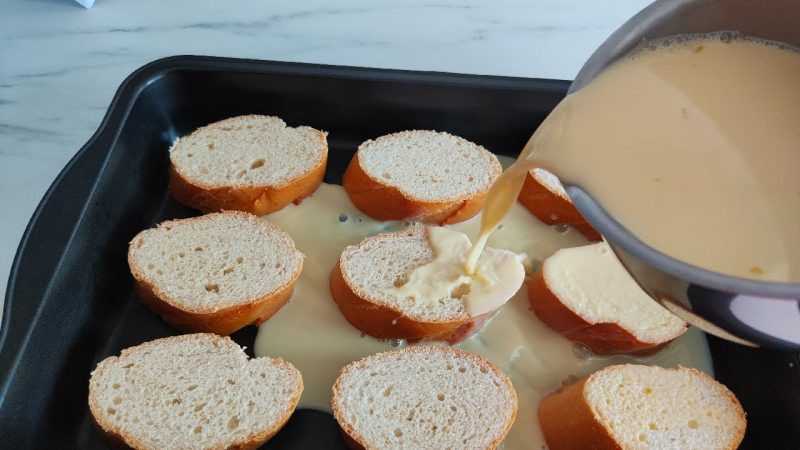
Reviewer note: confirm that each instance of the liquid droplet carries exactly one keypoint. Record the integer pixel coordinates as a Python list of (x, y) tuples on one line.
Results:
[(398, 343)]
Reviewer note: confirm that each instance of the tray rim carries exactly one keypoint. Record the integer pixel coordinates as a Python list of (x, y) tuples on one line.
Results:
[(97, 150)]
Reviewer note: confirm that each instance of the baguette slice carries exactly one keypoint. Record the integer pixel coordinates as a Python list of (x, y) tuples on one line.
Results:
[(424, 398), (195, 391), (419, 175), (544, 196), (364, 273), (248, 163), (642, 407), (586, 294), (216, 273)]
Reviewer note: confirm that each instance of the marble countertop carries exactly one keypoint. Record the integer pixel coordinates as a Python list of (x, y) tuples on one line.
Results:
[(60, 64)]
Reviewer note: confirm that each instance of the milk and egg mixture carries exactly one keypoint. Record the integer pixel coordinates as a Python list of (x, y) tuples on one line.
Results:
[(312, 334), (693, 144)]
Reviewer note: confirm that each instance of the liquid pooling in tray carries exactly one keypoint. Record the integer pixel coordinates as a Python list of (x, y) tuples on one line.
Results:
[(312, 334)]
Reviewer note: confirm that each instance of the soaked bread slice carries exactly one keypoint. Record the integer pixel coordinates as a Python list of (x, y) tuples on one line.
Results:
[(642, 407), (248, 163), (586, 294), (364, 276), (420, 175), (215, 273), (424, 398), (196, 391), (544, 196)]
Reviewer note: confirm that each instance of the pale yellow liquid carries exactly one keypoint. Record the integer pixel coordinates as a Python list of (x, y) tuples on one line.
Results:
[(312, 334), (695, 148), (499, 274)]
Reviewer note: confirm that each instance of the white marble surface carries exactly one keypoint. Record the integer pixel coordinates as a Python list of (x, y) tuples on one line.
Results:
[(60, 64)]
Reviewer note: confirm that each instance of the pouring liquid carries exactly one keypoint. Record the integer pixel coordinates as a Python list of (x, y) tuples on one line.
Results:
[(693, 144), (499, 200)]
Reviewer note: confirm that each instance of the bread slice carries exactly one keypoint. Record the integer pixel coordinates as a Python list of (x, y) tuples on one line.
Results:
[(424, 398), (195, 391), (587, 295), (642, 407), (420, 175), (544, 196), (216, 273), (248, 163), (378, 263)]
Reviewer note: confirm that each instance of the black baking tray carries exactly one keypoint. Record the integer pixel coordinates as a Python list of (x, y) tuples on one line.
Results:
[(70, 300)]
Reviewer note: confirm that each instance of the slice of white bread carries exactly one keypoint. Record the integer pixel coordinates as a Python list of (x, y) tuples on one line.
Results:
[(196, 391), (424, 398), (586, 294), (247, 163), (215, 273), (420, 175), (544, 196), (366, 271), (643, 407)]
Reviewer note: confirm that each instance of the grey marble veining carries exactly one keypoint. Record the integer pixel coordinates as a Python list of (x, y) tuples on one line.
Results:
[(60, 64)]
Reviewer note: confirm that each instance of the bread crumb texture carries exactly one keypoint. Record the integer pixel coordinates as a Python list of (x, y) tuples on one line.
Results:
[(248, 151), (429, 397), (214, 261), (429, 165), (551, 182), (647, 407), (382, 262), (196, 391)]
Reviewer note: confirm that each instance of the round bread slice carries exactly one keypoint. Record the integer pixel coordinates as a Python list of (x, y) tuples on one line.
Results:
[(420, 175), (586, 294), (366, 271), (424, 398), (643, 407), (196, 391), (544, 196), (215, 273), (248, 163)]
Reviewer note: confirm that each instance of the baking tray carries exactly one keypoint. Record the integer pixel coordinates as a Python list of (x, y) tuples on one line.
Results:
[(70, 300)]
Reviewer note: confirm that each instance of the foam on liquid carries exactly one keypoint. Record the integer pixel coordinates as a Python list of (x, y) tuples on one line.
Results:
[(498, 275), (693, 144), (312, 334)]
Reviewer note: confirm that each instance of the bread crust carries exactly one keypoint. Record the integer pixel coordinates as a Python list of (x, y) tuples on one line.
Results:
[(223, 321), (357, 442), (383, 322), (255, 199), (600, 338), (384, 202), (117, 438), (569, 422), (553, 209)]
